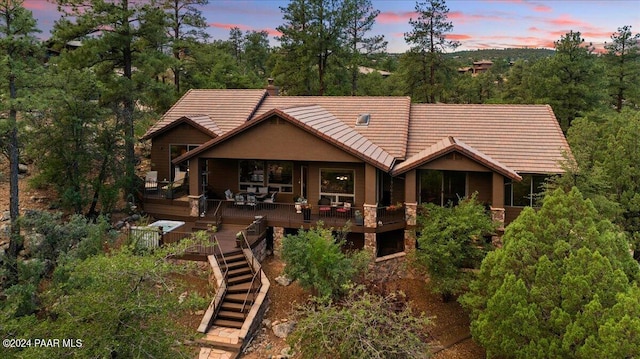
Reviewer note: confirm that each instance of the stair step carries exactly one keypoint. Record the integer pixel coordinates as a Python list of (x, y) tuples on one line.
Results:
[(239, 271), (239, 288), (228, 323), (240, 297), (235, 258), (234, 307), (240, 279), (229, 315), (234, 348), (234, 265)]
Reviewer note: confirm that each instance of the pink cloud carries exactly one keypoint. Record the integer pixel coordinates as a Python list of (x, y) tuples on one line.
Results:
[(389, 17), (39, 5), (458, 37), (461, 18), (565, 20), (220, 25)]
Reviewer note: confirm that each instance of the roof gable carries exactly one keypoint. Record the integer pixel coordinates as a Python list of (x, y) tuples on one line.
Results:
[(448, 145), (225, 109), (524, 138), (202, 123), (318, 122)]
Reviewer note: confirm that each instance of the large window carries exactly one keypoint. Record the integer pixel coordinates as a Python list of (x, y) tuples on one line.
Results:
[(442, 187), (523, 193), (279, 175), (338, 185)]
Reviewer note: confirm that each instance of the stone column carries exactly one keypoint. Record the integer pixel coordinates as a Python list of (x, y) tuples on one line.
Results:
[(278, 235), (409, 240), (370, 221), (497, 215), (411, 213), (194, 205)]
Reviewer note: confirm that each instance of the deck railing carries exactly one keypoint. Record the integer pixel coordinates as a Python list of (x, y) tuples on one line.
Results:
[(256, 268), (286, 213), (390, 215)]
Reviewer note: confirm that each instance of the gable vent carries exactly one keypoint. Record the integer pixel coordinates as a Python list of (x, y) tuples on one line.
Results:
[(363, 119)]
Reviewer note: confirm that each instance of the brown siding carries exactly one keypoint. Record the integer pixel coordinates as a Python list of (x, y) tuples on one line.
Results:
[(181, 134), (482, 182), (454, 162), (276, 139), (223, 175), (398, 192)]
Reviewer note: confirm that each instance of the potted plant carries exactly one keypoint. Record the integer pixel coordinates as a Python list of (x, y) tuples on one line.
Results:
[(300, 201), (239, 239), (359, 218)]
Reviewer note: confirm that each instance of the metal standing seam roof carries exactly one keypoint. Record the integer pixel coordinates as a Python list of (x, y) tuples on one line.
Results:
[(224, 110), (523, 138), (320, 122), (388, 127), (448, 145)]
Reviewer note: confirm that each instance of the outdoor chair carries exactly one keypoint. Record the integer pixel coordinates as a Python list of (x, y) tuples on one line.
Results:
[(345, 210), (272, 198), (228, 195), (239, 200), (151, 181), (178, 181), (251, 200), (324, 206)]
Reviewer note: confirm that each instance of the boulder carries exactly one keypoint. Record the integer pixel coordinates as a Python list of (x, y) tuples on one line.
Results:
[(282, 330), (283, 280), (6, 215), (22, 168)]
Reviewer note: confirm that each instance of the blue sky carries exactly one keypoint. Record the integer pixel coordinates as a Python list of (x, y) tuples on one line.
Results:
[(476, 24)]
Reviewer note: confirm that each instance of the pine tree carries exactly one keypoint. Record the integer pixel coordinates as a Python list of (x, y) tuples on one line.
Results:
[(623, 67)]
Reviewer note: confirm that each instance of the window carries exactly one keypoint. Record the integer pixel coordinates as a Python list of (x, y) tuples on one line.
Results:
[(279, 175), (523, 193), (338, 185), (363, 119), (442, 187), (176, 151)]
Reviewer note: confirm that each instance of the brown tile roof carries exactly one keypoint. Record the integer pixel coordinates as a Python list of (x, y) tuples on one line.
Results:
[(388, 127), (217, 111), (201, 122), (448, 145), (318, 121), (524, 138)]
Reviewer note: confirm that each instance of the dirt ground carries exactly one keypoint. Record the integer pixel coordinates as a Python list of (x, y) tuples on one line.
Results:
[(29, 198), (450, 324)]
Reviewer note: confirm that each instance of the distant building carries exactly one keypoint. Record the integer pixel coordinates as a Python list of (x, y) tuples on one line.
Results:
[(477, 68)]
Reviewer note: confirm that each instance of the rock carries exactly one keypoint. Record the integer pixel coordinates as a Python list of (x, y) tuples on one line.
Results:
[(6, 215), (199, 312), (22, 168), (182, 297), (266, 323), (283, 280), (4, 230), (33, 240), (283, 330)]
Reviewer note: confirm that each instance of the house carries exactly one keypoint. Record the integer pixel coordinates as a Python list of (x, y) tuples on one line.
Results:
[(477, 68), (352, 159)]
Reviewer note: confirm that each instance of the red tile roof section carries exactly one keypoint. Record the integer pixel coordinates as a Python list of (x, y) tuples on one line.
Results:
[(225, 109), (524, 138), (448, 145), (388, 127)]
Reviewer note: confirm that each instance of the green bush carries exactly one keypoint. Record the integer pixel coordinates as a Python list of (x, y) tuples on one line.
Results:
[(451, 240), (316, 260)]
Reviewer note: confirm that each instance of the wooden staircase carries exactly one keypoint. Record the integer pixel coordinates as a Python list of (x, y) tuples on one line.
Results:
[(236, 302)]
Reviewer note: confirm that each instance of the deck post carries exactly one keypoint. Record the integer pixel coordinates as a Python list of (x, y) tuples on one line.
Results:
[(370, 221)]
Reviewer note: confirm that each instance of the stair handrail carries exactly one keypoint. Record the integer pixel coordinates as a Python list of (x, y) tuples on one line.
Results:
[(217, 214), (257, 274), (224, 260)]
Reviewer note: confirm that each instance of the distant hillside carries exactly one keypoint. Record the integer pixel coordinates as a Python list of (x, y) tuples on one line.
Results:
[(498, 54)]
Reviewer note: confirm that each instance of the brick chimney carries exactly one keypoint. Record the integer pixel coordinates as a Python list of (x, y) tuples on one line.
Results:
[(272, 90)]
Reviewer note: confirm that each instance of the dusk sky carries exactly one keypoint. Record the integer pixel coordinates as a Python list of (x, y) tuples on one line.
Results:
[(476, 24)]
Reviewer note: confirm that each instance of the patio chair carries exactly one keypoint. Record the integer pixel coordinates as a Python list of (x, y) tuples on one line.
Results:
[(272, 198), (345, 210), (228, 195), (178, 181), (151, 181), (251, 200), (324, 206), (239, 200)]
